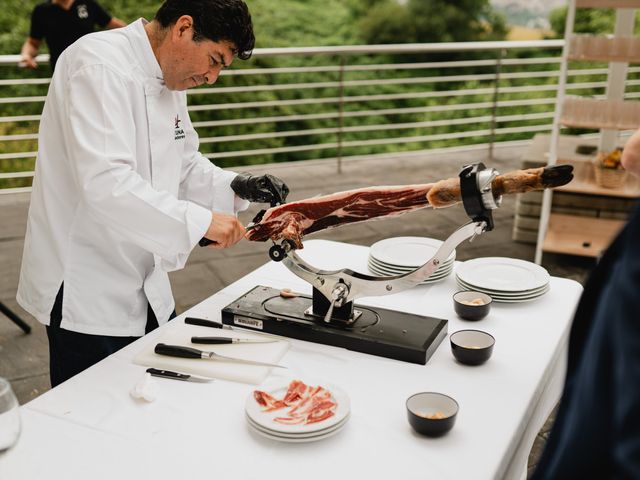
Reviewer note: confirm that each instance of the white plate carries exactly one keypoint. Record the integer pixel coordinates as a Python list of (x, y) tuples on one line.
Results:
[(333, 432), (319, 433), (511, 298), (494, 294), (445, 264), (517, 300), (436, 277), (438, 273), (502, 274), (406, 251), (502, 292), (278, 390), (431, 279)]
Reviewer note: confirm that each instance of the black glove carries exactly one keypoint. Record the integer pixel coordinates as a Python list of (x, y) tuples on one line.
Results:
[(260, 189)]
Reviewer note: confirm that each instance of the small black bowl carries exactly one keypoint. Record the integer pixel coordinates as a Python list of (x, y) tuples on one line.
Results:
[(432, 414), (471, 312), (472, 347)]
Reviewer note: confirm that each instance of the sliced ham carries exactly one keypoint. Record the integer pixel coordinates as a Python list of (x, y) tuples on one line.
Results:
[(290, 420), (295, 392), (319, 415), (308, 404), (268, 402)]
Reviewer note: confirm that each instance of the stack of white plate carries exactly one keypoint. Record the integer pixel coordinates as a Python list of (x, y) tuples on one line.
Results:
[(400, 255), (263, 423), (506, 280)]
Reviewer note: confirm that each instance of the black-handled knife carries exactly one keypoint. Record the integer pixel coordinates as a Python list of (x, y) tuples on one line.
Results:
[(204, 241), (178, 351), (226, 340), (202, 322), (156, 372), (188, 352)]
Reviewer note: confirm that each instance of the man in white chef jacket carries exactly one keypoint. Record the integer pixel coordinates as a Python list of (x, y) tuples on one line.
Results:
[(121, 194)]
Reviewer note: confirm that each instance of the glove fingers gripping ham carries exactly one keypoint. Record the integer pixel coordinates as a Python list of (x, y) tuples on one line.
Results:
[(292, 221)]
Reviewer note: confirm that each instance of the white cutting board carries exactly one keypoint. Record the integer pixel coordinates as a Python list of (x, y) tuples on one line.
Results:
[(180, 334)]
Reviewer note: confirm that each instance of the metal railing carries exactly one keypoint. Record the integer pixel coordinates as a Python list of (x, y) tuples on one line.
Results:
[(330, 103)]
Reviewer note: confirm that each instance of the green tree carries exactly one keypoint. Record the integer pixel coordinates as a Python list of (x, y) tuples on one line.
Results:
[(419, 21), (588, 20)]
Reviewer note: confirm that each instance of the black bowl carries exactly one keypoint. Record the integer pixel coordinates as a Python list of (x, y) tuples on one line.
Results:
[(432, 414), (471, 312), (472, 347)]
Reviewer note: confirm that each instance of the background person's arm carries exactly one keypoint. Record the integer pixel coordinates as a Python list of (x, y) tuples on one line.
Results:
[(103, 18), (115, 23), (30, 51)]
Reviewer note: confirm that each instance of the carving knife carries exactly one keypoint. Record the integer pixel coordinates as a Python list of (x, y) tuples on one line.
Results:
[(252, 224), (156, 372), (188, 352), (227, 340)]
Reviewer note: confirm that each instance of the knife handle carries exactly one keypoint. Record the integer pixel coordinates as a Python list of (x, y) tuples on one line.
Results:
[(168, 374), (212, 340), (177, 351), (202, 322), (204, 241)]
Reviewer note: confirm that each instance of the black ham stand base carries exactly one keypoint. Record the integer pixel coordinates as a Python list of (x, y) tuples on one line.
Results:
[(377, 331)]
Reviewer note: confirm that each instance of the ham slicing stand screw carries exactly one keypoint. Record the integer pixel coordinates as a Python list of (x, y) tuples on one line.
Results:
[(338, 295), (335, 291)]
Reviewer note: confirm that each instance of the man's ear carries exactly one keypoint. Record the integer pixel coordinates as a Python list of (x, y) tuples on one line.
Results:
[(182, 26)]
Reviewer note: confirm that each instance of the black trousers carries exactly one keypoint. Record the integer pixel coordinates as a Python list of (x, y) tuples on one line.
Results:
[(71, 352)]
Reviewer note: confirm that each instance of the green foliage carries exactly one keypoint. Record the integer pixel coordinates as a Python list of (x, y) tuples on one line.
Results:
[(588, 20), (293, 23), (419, 21)]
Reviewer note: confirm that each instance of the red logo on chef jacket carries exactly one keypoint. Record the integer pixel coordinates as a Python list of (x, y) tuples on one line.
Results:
[(179, 132)]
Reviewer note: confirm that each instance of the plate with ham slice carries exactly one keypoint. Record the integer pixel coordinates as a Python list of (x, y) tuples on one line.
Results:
[(297, 407)]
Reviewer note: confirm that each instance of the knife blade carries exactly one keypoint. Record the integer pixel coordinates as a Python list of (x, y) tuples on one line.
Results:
[(188, 352), (177, 376), (227, 340)]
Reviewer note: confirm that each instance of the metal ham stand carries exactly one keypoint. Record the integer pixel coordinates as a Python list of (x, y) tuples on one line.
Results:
[(330, 317)]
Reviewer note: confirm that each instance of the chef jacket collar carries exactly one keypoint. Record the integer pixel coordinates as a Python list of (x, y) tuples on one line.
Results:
[(148, 61)]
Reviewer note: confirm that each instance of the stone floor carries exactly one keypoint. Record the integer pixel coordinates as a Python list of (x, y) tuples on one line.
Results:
[(24, 358)]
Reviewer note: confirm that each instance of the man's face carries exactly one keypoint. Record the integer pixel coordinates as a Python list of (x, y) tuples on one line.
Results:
[(188, 63)]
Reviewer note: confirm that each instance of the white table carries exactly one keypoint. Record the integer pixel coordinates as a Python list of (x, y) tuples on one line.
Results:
[(199, 429)]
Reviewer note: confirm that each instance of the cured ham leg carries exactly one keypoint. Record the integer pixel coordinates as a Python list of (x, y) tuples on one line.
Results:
[(292, 221), (447, 192)]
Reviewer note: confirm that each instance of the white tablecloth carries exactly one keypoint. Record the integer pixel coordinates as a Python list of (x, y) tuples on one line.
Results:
[(199, 429)]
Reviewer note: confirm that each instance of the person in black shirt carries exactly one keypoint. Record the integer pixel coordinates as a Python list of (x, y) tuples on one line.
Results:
[(62, 22)]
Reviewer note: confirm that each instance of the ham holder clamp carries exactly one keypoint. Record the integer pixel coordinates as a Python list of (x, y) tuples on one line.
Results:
[(330, 317)]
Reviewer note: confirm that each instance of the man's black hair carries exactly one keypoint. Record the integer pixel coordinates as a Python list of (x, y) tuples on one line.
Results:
[(216, 20)]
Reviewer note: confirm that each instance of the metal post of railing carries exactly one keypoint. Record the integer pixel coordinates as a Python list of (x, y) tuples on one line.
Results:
[(496, 92), (340, 111)]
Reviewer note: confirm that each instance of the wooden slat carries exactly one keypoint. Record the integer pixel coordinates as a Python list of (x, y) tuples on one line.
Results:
[(583, 236), (608, 3), (600, 48), (584, 182), (600, 114)]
